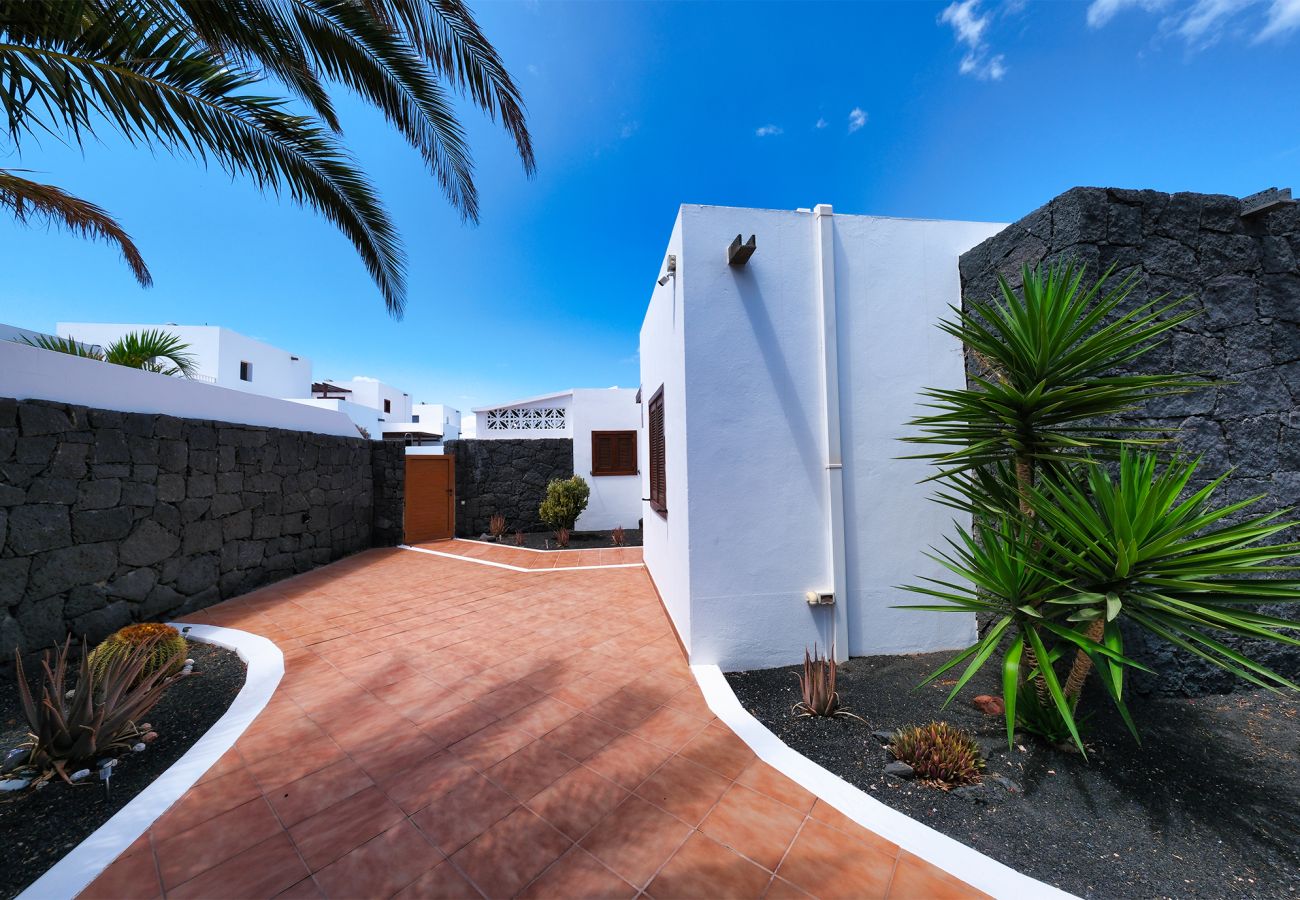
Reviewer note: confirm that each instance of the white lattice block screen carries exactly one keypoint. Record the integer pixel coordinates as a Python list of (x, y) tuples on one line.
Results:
[(549, 418)]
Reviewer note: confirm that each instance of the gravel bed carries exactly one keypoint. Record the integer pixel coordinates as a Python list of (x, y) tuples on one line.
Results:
[(1208, 805)]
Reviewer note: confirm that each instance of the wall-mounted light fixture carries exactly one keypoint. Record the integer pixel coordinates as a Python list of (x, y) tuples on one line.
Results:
[(670, 271), (738, 254)]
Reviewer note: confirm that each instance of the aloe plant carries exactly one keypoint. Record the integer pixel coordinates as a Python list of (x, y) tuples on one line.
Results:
[(95, 718), (1077, 527)]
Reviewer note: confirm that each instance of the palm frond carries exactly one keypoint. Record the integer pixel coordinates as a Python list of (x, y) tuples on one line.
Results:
[(31, 201)]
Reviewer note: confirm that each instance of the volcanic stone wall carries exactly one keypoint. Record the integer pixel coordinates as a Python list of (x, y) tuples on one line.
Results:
[(108, 518), (508, 477), (1242, 275)]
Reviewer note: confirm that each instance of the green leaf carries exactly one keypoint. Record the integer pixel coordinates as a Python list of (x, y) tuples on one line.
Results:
[(1054, 690), (1113, 606), (1011, 683)]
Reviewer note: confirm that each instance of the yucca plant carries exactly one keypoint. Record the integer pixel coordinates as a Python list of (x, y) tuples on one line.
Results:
[(167, 649), (817, 685), (939, 753), (95, 718), (1062, 548), (497, 525)]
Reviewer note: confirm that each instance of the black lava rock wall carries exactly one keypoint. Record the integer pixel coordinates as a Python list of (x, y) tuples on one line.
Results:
[(108, 518), (507, 477), (1244, 277)]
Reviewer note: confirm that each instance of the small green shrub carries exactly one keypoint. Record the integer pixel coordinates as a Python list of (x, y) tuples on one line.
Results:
[(939, 753), (566, 498), (167, 649)]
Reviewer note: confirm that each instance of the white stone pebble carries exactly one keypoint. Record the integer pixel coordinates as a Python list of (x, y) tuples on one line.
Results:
[(14, 784), (80, 774), (138, 748)]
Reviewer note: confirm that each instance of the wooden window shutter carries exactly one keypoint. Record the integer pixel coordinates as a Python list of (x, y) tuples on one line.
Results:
[(658, 479), (613, 453)]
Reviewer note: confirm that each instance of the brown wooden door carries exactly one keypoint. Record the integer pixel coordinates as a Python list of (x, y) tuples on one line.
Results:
[(430, 498)]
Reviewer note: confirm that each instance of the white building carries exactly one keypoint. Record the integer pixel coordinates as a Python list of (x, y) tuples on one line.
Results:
[(775, 391), (603, 424), (372, 405), (429, 427), (222, 357)]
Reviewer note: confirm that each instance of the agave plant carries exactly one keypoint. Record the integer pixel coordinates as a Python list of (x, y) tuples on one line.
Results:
[(939, 753), (95, 718), (618, 536), (561, 537), (817, 684), (497, 525), (152, 350), (1077, 528)]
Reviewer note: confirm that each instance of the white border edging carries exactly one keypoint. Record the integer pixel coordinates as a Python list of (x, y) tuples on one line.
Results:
[(70, 875), (954, 857), (508, 567)]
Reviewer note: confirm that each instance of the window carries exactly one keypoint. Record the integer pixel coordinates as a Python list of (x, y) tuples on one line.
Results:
[(613, 453), (415, 419), (388, 406), (658, 484), (245, 370)]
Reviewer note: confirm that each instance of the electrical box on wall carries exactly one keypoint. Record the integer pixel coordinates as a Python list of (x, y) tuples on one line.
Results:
[(820, 598)]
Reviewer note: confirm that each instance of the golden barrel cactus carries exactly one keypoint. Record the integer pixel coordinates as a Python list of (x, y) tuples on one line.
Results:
[(167, 654)]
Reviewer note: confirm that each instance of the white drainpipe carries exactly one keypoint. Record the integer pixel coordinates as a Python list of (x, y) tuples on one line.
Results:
[(824, 229)]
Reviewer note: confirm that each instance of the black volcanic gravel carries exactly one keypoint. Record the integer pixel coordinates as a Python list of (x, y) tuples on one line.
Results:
[(1207, 806), (41, 826)]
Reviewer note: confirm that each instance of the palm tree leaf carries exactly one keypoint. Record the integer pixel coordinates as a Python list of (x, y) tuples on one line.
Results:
[(30, 200)]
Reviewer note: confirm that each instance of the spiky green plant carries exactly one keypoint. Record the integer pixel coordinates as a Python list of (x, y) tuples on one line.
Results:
[(95, 718), (152, 350), (939, 753), (200, 78), (1061, 549), (166, 649)]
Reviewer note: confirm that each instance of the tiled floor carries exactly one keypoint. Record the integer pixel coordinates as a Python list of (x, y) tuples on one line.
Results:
[(448, 729), (537, 559)]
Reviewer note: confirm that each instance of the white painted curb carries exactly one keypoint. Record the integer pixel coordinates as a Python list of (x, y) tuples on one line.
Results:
[(934, 847), (510, 568), (70, 875)]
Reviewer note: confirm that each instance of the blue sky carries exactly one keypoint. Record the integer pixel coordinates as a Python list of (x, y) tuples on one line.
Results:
[(970, 110)]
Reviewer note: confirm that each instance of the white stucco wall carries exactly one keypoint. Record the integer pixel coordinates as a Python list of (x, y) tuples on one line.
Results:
[(218, 352), (615, 499), (31, 373), (372, 392), (666, 537), (754, 427), (562, 400), (366, 417), (441, 415)]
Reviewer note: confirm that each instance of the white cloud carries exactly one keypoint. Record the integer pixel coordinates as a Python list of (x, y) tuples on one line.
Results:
[(769, 130), (857, 119), (966, 22), (970, 27), (1101, 12), (1283, 17), (821, 123), (1203, 23)]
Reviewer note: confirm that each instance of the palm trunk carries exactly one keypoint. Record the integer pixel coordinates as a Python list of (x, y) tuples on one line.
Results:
[(1024, 481), (1083, 662)]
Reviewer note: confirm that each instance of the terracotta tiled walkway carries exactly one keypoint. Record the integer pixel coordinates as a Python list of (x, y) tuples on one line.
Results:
[(537, 559), (448, 729)]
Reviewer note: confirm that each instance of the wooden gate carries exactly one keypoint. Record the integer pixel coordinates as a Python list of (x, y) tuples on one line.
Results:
[(430, 498)]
